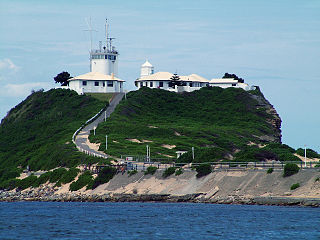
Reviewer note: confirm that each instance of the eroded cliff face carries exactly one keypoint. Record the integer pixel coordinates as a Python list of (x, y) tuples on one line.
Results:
[(274, 120)]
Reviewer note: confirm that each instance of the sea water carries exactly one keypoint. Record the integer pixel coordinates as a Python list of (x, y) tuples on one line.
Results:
[(75, 220)]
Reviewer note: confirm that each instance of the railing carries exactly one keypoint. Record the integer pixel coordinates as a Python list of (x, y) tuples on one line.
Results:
[(142, 165)]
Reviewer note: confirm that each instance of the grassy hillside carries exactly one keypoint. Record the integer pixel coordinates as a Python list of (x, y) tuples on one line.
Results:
[(38, 131), (219, 123)]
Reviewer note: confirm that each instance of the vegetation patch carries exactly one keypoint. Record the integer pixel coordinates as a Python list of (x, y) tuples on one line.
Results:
[(178, 172), (290, 169), (104, 176), (294, 186), (85, 179), (270, 170), (37, 132), (168, 172), (150, 170), (203, 170), (309, 153), (132, 172), (221, 120)]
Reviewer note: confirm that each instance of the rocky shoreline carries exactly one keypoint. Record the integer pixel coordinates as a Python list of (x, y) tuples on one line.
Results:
[(192, 198)]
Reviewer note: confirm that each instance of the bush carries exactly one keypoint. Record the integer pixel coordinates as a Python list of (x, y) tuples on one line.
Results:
[(56, 174), (168, 172), (203, 170), (84, 180), (310, 153), (104, 176), (270, 170), (27, 182), (294, 186), (290, 169), (150, 170), (132, 172), (179, 172), (43, 178), (69, 176)]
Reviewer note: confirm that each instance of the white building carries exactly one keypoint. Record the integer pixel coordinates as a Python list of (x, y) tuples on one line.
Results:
[(228, 82), (102, 77), (190, 82), (95, 82)]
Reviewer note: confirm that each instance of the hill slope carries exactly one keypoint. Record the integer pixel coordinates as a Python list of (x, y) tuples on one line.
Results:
[(38, 131), (218, 122)]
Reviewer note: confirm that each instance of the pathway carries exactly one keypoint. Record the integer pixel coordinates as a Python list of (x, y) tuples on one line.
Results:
[(81, 140)]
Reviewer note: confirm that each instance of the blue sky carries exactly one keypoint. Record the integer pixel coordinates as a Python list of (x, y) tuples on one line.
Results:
[(273, 44)]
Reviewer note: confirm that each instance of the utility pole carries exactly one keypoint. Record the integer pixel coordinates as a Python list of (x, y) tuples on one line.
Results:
[(305, 156), (106, 142), (105, 115), (147, 153), (193, 153), (94, 130)]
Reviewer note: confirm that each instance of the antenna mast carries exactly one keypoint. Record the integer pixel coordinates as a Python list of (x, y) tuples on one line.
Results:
[(90, 30), (107, 45)]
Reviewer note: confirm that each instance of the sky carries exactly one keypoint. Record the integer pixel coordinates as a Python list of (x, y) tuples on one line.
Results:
[(273, 44)]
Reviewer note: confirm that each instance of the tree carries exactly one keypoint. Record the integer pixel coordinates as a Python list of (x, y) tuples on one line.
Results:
[(62, 78), (175, 81), (235, 77)]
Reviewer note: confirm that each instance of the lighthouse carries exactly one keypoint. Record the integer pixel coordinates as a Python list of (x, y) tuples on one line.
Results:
[(146, 69), (105, 59)]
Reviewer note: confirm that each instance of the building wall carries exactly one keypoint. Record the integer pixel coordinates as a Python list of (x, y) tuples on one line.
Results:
[(105, 66), (103, 87), (227, 85), (146, 71)]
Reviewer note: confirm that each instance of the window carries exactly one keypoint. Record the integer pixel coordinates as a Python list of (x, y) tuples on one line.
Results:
[(233, 84), (84, 83), (151, 84), (160, 84), (96, 84), (190, 84), (141, 84), (103, 84), (110, 83)]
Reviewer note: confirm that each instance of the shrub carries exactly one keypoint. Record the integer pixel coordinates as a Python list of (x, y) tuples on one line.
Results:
[(310, 153), (84, 179), (317, 179), (179, 172), (57, 174), (27, 182), (43, 178), (69, 176), (203, 170), (132, 172), (104, 176), (290, 169), (168, 172), (150, 170), (294, 186), (270, 170), (10, 184)]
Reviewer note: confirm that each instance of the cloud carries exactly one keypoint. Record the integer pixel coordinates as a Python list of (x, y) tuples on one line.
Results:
[(22, 90), (7, 64)]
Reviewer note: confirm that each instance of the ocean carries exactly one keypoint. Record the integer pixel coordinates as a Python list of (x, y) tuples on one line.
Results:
[(76, 220)]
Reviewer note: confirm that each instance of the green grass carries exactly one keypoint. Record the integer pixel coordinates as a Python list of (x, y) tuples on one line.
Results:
[(295, 186), (38, 131), (103, 97), (216, 122)]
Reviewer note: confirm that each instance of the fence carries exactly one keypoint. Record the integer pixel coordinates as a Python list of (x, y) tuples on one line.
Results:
[(142, 165)]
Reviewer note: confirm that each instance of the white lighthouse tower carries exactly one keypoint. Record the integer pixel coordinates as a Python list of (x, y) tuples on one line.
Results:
[(105, 59), (146, 69)]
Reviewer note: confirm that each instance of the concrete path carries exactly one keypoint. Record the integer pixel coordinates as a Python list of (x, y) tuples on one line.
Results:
[(82, 141)]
